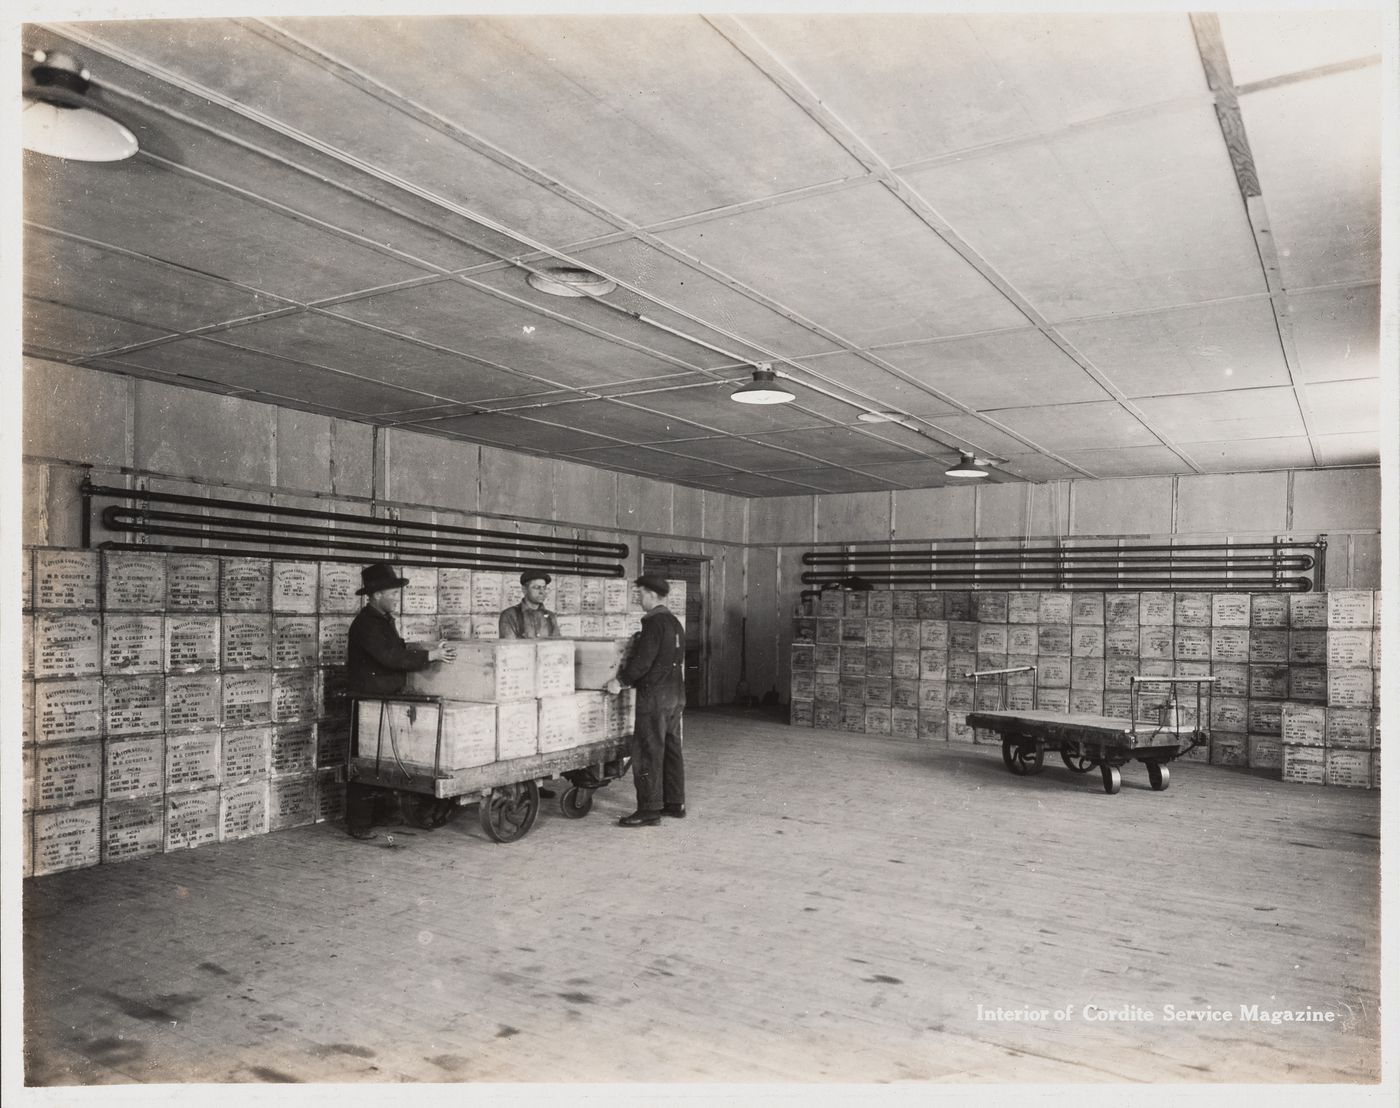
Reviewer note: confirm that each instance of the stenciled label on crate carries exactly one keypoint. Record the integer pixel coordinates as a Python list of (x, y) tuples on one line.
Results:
[(132, 829), (1056, 640), (247, 698), (1350, 769), (933, 634), (991, 638), (1087, 609), (488, 627), (1087, 642), (1054, 672), (1122, 642), (1307, 610), (133, 581), (1350, 608), (826, 716), (192, 583), (1192, 643), (243, 810), (826, 658), (904, 693), (134, 705), (424, 629), (193, 703), (191, 820), (879, 632), (133, 644), (1268, 645), (933, 664), (904, 604), (330, 796), (1265, 717), (1349, 727), (1157, 642), (1156, 609), (1307, 648), (295, 642), (904, 665), (827, 686), (192, 643), (853, 631), (247, 754), (877, 721), (1304, 724), (1230, 609), (1231, 678), (292, 802), (294, 695), (1307, 683), (1268, 610), (1268, 681), (454, 590), (557, 725), (334, 633), (803, 656), (26, 581), (879, 663), (66, 579), (853, 688), (1055, 609), (958, 605), (1120, 610), (247, 641), (852, 660), (929, 605), (245, 585), (992, 607), (420, 595), (192, 761), (933, 725), (1087, 673), (1229, 750), (67, 645), (855, 605), (293, 748), (1349, 649), (592, 597), (1229, 644), (67, 774), (1349, 688), (879, 691), (1228, 713), (336, 589), (333, 741), (66, 840), (135, 768), (1193, 609), (906, 634), (1304, 765), (295, 587), (1265, 752), (67, 710)]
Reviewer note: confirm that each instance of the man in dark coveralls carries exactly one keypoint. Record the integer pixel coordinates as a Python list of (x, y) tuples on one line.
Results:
[(378, 662), (657, 668)]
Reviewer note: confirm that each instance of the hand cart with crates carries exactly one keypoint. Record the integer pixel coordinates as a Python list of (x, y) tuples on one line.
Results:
[(1086, 741)]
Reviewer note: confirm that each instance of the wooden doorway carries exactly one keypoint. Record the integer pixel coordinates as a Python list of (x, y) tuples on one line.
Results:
[(695, 572)]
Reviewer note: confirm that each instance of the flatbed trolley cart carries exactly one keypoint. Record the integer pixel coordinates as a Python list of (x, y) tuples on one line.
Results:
[(508, 791), (1085, 741)]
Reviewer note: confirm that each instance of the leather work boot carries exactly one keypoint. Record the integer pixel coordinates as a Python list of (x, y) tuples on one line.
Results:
[(675, 811), (640, 819)]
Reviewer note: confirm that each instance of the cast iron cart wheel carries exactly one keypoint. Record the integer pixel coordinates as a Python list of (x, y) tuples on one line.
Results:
[(1159, 775), (1023, 757), (428, 813), (575, 803), (1076, 760), (1112, 779), (509, 812)]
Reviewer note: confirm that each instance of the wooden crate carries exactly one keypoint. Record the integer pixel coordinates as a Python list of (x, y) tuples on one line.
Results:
[(1307, 610), (247, 698), (132, 829), (621, 711), (591, 710), (1229, 609), (555, 667), (482, 671), (1350, 608), (133, 581), (558, 723), (1349, 769), (454, 591), (420, 595), (66, 840), (67, 579), (1349, 728), (192, 643), (295, 695), (334, 635), (1268, 609), (517, 729), (191, 819), (295, 642), (293, 749), (66, 709), (335, 590), (192, 583), (1265, 752), (410, 731), (291, 802), (487, 592), (330, 795), (66, 644), (134, 705), (193, 762), (195, 702), (245, 585), (1192, 609), (135, 769), (67, 775), (1350, 688), (246, 641), (133, 644), (1302, 724), (596, 661), (243, 810), (247, 754)]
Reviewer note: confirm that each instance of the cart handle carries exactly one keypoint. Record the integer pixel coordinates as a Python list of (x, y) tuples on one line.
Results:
[(998, 672), (1173, 680), (404, 698)]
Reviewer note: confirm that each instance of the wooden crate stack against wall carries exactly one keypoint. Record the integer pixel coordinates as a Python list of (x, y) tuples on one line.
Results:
[(896, 662)]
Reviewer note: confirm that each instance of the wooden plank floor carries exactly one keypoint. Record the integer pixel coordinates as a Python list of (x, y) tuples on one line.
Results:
[(835, 908)]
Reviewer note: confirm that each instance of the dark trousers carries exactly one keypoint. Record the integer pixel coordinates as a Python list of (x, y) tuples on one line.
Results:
[(658, 761)]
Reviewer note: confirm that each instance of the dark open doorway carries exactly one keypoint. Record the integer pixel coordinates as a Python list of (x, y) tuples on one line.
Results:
[(695, 572)]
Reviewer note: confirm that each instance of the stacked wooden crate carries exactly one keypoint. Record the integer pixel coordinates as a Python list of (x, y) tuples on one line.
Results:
[(897, 662), (170, 701)]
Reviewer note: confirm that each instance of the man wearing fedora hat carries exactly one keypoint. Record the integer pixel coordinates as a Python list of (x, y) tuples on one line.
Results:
[(530, 619), (656, 667), (377, 663)]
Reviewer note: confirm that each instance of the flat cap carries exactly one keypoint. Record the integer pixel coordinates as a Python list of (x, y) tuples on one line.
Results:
[(658, 585), (535, 575)]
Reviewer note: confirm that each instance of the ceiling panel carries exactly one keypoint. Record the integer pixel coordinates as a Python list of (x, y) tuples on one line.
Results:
[(1213, 347), (836, 480), (461, 318), (1014, 369), (274, 378), (917, 475), (839, 445), (670, 100), (1217, 416), (1245, 454), (1037, 467), (969, 432), (238, 63), (92, 279), (1271, 44), (1339, 407), (618, 421), (747, 484), (1124, 215), (1061, 427), (690, 290), (1034, 73), (655, 463), (315, 337), (865, 382), (515, 432), (806, 254), (59, 329), (140, 207), (744, 453), (1337, 333), (1353, 448), (1317, 148), (1132, 461)]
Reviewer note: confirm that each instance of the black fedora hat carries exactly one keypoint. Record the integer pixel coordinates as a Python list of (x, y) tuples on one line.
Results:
[(378, 577)]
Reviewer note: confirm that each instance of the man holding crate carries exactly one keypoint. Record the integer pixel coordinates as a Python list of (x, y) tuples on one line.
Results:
[(377, 663), (656, 667)]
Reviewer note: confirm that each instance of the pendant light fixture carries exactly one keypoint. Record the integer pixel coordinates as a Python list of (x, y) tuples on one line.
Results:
[(62, 119), (966, 467), (763, 389)]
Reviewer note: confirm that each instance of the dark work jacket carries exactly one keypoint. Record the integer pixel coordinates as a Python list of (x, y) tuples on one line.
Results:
[(657, 662), (377, 659)]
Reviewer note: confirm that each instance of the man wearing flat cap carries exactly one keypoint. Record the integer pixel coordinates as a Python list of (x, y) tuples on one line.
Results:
[(656, 667), (530, 619), (378, 663)]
